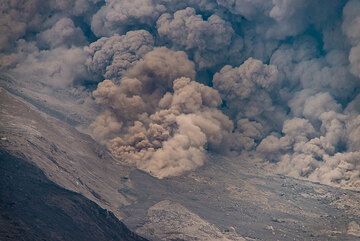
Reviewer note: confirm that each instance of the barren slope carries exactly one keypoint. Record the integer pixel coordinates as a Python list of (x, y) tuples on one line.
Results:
[(230, 198)]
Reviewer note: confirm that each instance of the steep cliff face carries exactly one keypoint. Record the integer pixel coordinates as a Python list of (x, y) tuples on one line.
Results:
[(34, 208)]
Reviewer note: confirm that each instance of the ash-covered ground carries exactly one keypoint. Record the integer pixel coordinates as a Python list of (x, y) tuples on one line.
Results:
[(225, 199)]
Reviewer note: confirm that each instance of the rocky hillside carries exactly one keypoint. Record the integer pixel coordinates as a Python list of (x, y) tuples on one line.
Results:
[(34, 208), (226, 199)]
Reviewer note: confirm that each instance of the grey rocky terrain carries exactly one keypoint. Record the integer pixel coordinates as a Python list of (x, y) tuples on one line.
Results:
[(34, 208), (226, 199)]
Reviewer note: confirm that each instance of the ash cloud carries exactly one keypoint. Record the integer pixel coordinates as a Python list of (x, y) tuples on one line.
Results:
[(58, 68), (210, 41), (110, 57), (175, 80), (351, 29), (23, 18), (118, 16), (63, 32), (158, 117)]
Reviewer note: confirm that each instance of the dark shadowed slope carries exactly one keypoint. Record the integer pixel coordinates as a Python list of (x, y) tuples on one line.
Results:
[(34, 208)]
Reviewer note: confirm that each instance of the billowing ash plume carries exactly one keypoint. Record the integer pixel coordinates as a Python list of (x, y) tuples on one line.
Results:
[(118, 16), (158, 117), (56, 58), (210, 42), (112, 56), (250, 84), (22, 18), (351, 29), (249, 91), (329, 155), (63, 32), (277, 79), (279, 19)]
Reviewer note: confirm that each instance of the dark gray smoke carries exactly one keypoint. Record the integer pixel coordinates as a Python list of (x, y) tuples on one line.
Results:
[(175, 80), (211, 42)]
